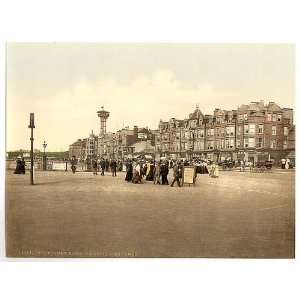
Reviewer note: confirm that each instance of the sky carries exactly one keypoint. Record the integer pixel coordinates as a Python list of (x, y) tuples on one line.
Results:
[(65, 84)]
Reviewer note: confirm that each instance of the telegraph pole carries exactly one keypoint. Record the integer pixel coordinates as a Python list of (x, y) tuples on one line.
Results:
[(31, 126)]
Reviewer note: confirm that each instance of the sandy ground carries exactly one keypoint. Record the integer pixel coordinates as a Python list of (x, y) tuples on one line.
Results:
[(80, 215)]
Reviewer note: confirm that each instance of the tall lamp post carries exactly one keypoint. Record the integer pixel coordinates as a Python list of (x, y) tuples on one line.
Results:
[(44, 156), (31, 126)]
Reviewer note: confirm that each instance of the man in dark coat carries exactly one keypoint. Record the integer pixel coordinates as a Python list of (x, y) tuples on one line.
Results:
[(164, 170), (95, 166), (106, 165), (113, 167), (102, 165), (176, 175)]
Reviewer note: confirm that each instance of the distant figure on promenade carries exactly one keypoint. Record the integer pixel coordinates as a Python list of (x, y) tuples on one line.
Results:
[(20, 166), (176, 175), (242, 166), (150, 174), (113, 167), (214, 172), (171, 164), (137, 178), (23, 164), (129, 171), (73, 164), (102, 165), (106, 165), (95, 166), (287, 164), (283, 163), (156, 179), (145, 168), (164, 170), (120, 166)]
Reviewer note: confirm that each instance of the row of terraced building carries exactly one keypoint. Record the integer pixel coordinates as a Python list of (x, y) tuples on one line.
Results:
[(252, 132)]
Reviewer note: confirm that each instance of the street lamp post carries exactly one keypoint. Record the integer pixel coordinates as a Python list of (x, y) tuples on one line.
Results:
[(44, 156), (31, 126)]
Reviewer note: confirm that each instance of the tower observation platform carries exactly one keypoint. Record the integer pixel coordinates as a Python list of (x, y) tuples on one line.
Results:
[(103, 115)]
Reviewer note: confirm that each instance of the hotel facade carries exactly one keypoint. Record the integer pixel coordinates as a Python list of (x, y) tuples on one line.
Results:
[(252, 132)]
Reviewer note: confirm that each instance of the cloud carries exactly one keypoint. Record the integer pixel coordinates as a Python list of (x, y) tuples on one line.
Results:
[(71, 113)]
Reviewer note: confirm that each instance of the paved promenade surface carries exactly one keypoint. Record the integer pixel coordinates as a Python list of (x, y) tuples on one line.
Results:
[(69, 215)]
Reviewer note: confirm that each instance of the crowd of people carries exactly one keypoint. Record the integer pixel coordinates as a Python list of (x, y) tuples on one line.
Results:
[(105, 165), (141, 170), (286, 164), (157, 172)]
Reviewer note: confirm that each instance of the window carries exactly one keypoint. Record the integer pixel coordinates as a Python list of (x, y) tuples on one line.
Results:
[(238, 143), (273, 130), (269, 117), (241, 118), (278, 118), (252, 142), (285, 131), (249, 142), (260, 128), (252, 128), (273, 144), (274, 118), (240, 130), (227, 143), (227, 130), (201, 133), (245, 117), (222, 144), (219, 120), (284, 144), (260, 143), (230, 131), (201, 145), (246, 129), (231, 144), (210, 132), (210, 144)]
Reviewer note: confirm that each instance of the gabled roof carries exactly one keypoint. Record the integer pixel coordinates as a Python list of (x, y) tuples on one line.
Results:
[(196, 114), (272, 106), (243, 107)]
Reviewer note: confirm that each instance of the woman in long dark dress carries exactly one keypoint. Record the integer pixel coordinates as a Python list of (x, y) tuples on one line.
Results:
[(18, 169), (129, 172)]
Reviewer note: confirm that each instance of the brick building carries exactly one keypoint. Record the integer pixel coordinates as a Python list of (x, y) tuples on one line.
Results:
[(252, 132), (78, 149)]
